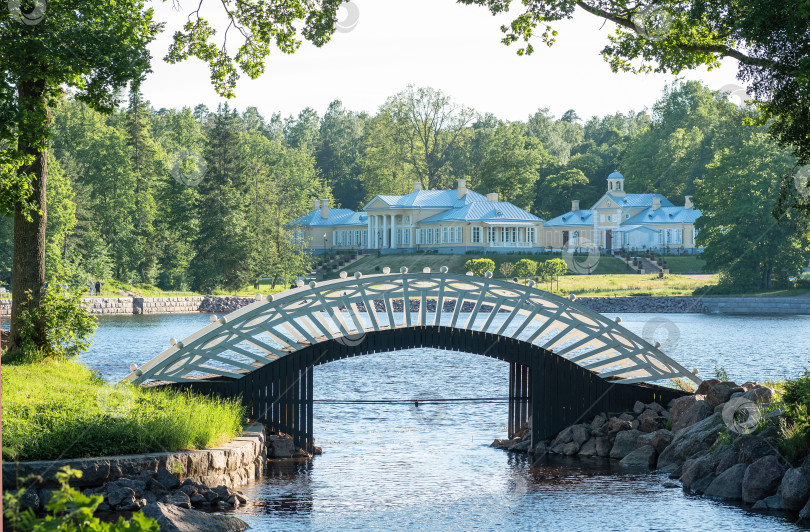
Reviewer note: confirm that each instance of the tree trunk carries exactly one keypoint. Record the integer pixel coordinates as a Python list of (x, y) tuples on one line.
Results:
[(28, 269)]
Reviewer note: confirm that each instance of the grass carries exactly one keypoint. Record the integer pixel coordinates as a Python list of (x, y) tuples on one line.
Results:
[(416, 262), (63, 410), (628, 285), (685, 264)]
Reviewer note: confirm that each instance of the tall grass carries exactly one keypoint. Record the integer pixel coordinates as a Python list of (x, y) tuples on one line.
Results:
[(62, 410)]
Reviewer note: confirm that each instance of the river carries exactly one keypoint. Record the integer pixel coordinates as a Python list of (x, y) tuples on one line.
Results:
[(398, 467)]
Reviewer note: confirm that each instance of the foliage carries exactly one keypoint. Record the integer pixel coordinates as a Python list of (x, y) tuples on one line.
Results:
[(70, 511), (479, 266), (720, 373), (526, 268), (62, 407), (69, 327), (506, 269), (553, 269), (737, 196)]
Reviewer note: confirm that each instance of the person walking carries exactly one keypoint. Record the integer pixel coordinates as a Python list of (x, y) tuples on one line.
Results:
[(98, 287)]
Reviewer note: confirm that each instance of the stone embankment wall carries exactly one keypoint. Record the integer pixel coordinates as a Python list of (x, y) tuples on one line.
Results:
[(226, 304), (231, 464)]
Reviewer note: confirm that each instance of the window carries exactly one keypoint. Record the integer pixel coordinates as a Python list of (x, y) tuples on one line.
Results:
[(490, 235), (530, 235), (364, 236), (476, 235), (626, 216), (608, 218), (445, 239), (660, 237), (669, 237), (678, 236)]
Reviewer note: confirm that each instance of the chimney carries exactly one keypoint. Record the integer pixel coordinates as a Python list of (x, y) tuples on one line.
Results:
[(316, 204), (656, 203), (462, 188), (417, 186), (574, 205), (492, 196), (687, 202), (324, 209)]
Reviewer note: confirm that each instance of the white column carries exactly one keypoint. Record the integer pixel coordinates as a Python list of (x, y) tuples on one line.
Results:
[(376, 231), (368, 238), (385, 231), (393, 231)]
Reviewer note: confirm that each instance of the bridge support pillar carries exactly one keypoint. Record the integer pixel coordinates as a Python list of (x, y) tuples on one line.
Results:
[(519, 398)]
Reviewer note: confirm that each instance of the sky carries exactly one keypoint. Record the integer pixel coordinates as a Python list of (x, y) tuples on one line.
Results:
[(388, 44)]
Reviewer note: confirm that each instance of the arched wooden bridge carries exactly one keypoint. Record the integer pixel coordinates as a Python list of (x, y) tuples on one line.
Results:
[(565, 360)]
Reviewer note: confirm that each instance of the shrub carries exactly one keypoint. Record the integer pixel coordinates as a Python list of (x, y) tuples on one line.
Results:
[(526, 268), (480, 266), (69, 510), (506, 269), (69, 328)]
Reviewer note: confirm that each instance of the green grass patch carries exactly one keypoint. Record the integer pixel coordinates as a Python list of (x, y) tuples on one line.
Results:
[(685, 264), (629, 285), (63, 410)]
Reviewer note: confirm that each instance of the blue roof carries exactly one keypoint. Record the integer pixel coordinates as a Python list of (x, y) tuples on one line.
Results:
[(615, 175), (336, 217), (484, 211), (572, 218), (638, 200), (665, 215), (432, 199)]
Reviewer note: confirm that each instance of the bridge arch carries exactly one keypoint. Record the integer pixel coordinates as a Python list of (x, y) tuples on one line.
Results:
[(551, 343)]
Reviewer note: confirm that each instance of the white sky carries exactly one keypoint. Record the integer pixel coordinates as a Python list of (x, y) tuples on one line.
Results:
[(438, 43)]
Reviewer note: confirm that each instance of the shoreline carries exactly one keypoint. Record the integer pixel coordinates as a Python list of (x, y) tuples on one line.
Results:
[(737, 305)]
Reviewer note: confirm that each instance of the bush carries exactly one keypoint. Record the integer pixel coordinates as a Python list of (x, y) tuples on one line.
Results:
[(69, 328), (480, 266), (69, 511), (506, 269), (526, 268), (62, 409)]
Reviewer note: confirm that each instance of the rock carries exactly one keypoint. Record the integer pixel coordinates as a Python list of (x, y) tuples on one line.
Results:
[(174, 519), (695, 469), (570, 448), (689, 441), (188, 489), (719, 394), (30, 499), (557, 449), (753, 447), (617, 425), (138, 486), (655, 407), (727, 456), (166, 479), (119, 495), (760, 394), (671, 484), (588, 448), (501, 444), (146, 475), (774, 502), (638, 407), (520, 447), (198, 500), (649, 421), (45, 495), (580, 433), (704, 387), (794, 489), (566, 435), (702, 485), (643, 456), (626, 417), (688, 410), (598, 422), (156, 488), (728, 484), (644, 439), (178, 498), (602, 446), (624, 444), (281, 448), (541, 449), (661, 440), (762, 479)]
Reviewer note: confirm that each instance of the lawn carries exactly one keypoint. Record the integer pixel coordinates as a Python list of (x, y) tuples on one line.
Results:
[(685, 264), (371, 264), (62, 410), (628, 285)]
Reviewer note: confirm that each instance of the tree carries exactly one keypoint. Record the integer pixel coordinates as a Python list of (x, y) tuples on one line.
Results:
[(559, 137), (479, 266), (88, 47), (526, 268), (506, 269), (552, 269), (736, 197), (670, 36), (339, 152), (556, 191), (428, 125)]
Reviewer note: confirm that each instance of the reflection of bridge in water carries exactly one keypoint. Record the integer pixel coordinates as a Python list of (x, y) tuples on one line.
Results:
[(565, 361)]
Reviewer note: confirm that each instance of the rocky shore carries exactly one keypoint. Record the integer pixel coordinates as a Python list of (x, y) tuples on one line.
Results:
[(701, 440)]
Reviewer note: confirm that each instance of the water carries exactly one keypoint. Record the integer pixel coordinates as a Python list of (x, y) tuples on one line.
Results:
[(397, 467)]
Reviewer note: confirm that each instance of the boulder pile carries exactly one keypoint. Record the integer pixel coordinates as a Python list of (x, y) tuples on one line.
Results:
[(700, 439)]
